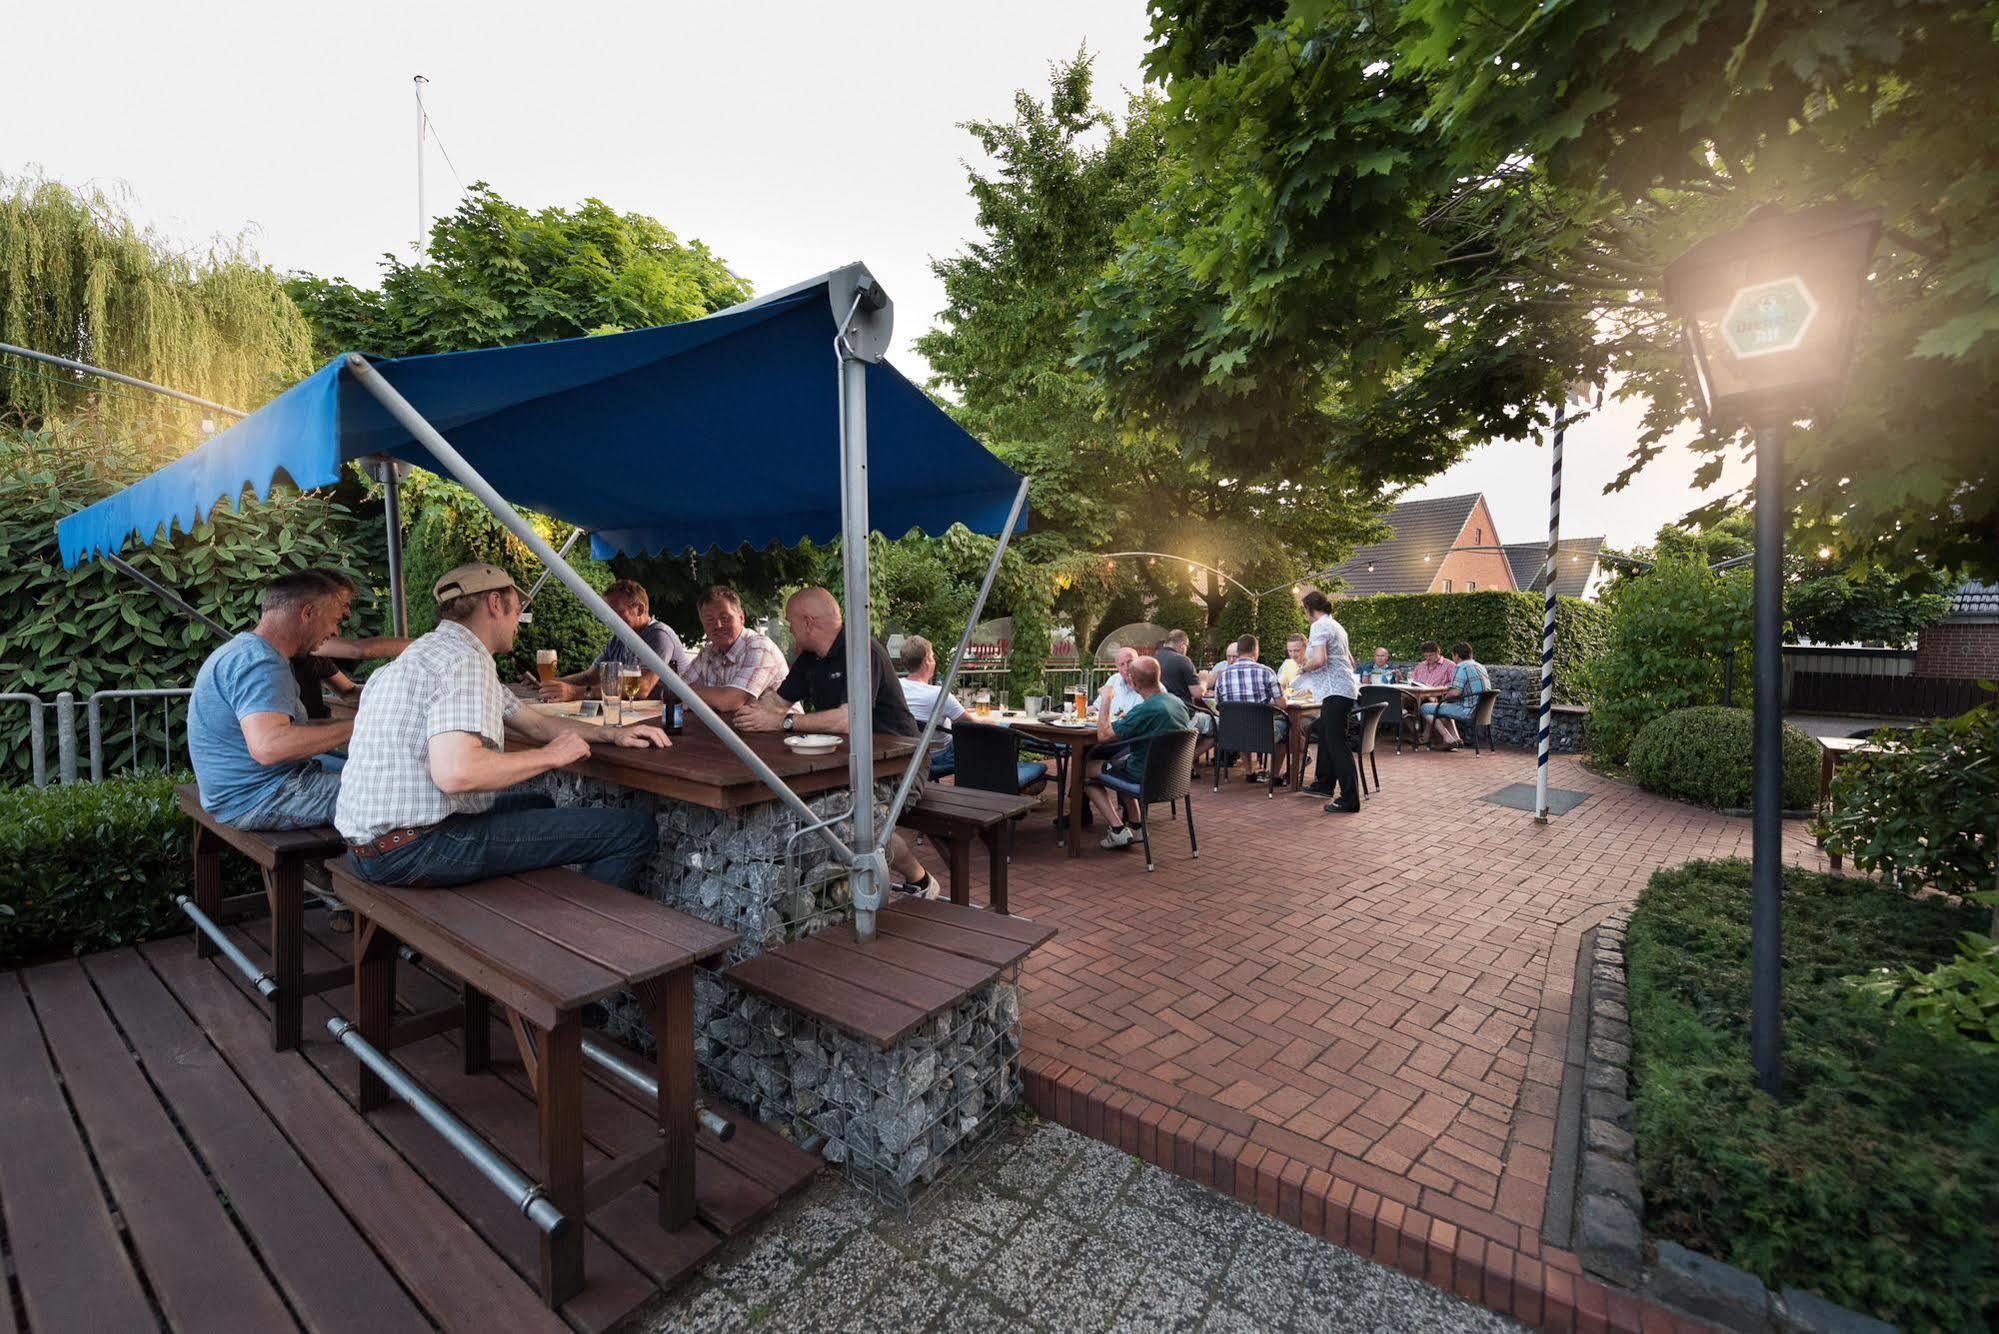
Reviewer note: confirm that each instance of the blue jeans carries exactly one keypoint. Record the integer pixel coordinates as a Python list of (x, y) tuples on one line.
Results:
[(303, 802), (1447, 708), (525, 831)]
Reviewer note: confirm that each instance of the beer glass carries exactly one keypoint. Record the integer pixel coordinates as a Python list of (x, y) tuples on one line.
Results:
[(544, 663)]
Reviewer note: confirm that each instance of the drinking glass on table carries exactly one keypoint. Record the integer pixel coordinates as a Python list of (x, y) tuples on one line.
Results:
[(544, 664), (628, 687)]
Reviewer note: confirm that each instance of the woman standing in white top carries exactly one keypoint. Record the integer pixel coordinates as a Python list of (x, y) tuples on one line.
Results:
[(1329, 675)]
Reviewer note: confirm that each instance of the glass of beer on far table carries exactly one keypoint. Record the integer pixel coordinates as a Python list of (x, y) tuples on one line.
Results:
[(544, 663)]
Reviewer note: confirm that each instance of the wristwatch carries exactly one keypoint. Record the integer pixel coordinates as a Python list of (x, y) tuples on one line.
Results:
[(789, 718)]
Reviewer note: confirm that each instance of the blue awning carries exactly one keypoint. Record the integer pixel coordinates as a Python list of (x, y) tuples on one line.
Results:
[(715, 433)]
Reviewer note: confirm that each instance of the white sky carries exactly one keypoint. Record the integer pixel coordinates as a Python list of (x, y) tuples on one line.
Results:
[(790, 137)]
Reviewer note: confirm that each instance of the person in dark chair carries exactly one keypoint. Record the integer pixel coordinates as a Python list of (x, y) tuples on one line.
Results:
[(1156, 712)]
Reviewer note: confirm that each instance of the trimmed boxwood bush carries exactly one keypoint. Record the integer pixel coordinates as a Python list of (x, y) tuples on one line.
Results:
[(93, 865), (1703, 755)]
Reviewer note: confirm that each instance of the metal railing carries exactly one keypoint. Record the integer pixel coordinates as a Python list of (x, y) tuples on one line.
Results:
[(107, 747)]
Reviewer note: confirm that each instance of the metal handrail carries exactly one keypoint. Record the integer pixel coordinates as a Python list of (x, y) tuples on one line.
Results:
[(93, 712)]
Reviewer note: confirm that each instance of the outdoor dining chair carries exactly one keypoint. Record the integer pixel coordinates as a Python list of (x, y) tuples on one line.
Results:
[(1481, 720), (1248, 729), (1394, 717), (988, 758), (1363, 756), (1168, 776)]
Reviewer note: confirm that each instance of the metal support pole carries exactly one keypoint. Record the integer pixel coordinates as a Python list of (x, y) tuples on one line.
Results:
[(65, 736), (68, 364), (392, 517), (526, 1195), (261, 980), (1728, 678), (868, 874), (1766, 886), (1543, 736), (606, 1059), (454, 463), (921, 759), (94, 716), (562, 551)]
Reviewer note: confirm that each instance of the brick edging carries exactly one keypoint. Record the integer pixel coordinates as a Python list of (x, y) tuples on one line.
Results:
[(1549, 1292)]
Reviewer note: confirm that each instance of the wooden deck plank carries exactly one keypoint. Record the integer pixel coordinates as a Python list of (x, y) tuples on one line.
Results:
[(72, 1267), (726, 1197), (614, 1287), (851, 1009), (440, 1259), (334, 1280), (1020, 930), (200, 1269)]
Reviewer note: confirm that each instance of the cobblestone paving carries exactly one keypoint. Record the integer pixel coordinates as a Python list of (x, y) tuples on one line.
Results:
[(1051, 1231)]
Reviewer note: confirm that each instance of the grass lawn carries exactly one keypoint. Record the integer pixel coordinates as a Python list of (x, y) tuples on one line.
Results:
[(1875, 1181)]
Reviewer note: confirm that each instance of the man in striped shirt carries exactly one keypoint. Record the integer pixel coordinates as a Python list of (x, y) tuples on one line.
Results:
[(1244, 680)]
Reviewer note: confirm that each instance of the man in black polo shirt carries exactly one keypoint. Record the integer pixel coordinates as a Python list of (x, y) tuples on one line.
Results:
[(818, 680)]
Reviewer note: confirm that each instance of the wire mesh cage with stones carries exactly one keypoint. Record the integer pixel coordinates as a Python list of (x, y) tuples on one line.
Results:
[(751, 869), (898, 1120)]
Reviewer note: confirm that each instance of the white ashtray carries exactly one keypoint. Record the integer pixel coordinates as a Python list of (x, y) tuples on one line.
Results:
[(818, 741)]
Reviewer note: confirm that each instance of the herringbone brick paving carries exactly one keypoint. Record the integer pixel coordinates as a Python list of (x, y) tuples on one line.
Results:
[(1373, 1006)]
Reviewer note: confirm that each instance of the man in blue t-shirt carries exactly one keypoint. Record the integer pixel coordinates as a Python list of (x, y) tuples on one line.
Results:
[(1156, 712), (247, 732)]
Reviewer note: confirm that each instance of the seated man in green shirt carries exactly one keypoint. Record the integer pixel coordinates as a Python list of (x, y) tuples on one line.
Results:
[(1157, 712)]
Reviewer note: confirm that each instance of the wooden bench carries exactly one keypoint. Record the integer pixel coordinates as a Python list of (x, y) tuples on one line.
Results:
[(542, 945), (954, 818), (282, 857)]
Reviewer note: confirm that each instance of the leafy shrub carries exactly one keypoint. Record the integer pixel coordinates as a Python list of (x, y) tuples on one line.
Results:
[(1501, 627), (1703, 755), (1668, 635), (92, 865), (93, 629), (1874, 1181), (1920, 807)]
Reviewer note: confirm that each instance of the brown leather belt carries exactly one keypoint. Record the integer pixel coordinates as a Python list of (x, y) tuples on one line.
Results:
[(388, 842)]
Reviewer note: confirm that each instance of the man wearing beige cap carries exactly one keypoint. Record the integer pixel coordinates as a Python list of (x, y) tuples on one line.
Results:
[(424, 799)]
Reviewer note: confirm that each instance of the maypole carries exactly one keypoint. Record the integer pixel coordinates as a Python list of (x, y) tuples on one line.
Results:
[(1542, 738)]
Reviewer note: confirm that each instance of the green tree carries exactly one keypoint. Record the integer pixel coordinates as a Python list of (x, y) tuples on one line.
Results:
[(1069, 176), (497, 273), (1671, 634), (79, 278)]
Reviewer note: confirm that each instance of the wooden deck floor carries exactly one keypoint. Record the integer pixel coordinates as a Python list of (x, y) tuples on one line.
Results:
[(162, 1167)]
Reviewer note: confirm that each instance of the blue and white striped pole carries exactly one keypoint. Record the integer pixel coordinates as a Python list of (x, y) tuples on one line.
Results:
[(1562, 420)]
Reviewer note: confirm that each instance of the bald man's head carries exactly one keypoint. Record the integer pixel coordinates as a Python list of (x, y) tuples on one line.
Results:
[(814, 618)]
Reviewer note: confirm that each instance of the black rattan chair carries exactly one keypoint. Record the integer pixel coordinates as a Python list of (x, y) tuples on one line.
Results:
[(988, 758), (1371, 717), (1481, 719), (1169, 776), (1248, 729), (1394, 699)]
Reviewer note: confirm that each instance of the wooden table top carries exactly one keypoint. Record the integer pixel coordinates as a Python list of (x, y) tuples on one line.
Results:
[(699, 768)]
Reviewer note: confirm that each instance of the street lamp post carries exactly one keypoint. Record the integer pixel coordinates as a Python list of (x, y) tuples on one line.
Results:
[(1769, 314)]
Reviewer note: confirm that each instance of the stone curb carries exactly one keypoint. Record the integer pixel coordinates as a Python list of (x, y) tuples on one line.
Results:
[(1610, 1236)]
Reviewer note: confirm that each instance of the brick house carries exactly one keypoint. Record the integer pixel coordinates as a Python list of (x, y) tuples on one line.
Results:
[(1451, 545), (1965, 644)]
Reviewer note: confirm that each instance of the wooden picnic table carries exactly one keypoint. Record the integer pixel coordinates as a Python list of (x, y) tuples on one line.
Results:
[(1077, 741), (1833, 752)]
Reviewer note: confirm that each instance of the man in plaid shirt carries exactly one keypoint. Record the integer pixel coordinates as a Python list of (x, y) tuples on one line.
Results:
[(424, 797), (737, 664), (1247, 681)]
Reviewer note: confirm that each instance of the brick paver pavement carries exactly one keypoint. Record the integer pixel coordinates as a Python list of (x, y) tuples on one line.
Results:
[(1354, 1021)]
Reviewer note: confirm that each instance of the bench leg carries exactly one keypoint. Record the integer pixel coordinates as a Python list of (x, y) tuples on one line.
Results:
[(999, 851), (560, 1101), (478, 1036), (960, 852), (285, 887), (668, 1003), (207, 887), (374, 1004)]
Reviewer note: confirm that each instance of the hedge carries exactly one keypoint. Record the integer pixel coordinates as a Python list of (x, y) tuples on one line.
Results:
[(1704, 755), (1501, 627), (93, 865)]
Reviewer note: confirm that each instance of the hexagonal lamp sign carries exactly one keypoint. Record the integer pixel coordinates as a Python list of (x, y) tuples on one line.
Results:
[(1768, 318), (1769, 312)]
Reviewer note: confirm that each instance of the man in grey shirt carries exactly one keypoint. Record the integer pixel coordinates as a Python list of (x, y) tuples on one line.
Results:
[(629, 599)]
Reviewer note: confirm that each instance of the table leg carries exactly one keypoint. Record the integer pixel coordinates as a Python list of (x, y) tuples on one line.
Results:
[(559, 1100), (477, 1042), (999, 851)]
